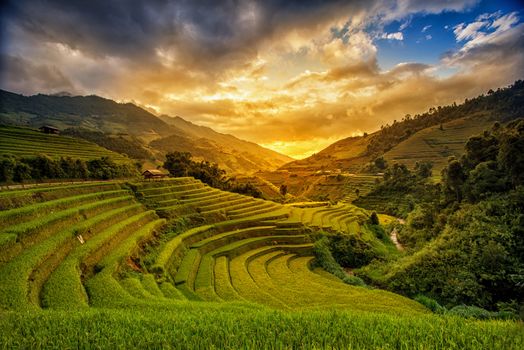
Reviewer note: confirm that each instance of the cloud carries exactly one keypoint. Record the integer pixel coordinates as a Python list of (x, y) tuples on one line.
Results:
[(393, 36), (402, 8), (469, 31), (496, 40), (426, 28), (42, 77), (294, 75)]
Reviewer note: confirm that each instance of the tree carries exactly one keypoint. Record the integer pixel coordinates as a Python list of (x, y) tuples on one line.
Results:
[(484, 180), (357, 192), (80, 170), (381, 163), (7, 169), (247, 189), (22, 172), (454, 178), (480, 149), (373, 219), (511, 153), (178, 163), (283, 189), (423, 169)]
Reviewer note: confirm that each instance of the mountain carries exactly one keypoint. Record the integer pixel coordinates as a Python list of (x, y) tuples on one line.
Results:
[(417, 138), (88, 112), (97, 114), (232, 153), (433, 136), (348, 154)]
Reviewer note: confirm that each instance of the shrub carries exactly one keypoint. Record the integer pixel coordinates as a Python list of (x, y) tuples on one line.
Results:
[(431, 304), (350, 251), (325, 259), (373, 219)]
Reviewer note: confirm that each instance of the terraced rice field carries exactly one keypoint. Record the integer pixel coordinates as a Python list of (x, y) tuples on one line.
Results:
[(361, 182), (436, 145), (27, 142), (71, 257), (66, 248)]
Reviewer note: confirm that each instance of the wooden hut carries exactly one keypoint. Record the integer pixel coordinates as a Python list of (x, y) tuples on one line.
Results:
[(153, 174), (46, 129)]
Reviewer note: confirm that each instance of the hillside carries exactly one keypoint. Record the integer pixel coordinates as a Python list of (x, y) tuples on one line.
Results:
[(243, 260), (237, 249), (345, 155), (435, 144), (23, 142), (413, 139), (226, 150), (117, 126)]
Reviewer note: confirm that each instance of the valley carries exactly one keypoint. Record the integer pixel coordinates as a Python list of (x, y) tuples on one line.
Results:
[(256, 174)]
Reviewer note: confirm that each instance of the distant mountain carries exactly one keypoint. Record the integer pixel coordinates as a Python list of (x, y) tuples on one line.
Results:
[(432, 136), (88, 112), (97, 114), (233, 153), (348, 154), (415, 138)]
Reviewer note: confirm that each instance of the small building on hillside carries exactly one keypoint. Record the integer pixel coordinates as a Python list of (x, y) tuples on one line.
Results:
[(153, 174), (47, 129)]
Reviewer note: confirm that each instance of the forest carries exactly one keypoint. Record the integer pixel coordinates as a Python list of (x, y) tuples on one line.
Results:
[(465, 235)]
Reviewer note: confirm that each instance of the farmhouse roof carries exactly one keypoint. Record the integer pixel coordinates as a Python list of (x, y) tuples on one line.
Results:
[(49, 127), (153, 172)]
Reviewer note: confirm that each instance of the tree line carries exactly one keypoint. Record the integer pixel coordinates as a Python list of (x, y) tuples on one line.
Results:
[(181, 164), (42, 167)]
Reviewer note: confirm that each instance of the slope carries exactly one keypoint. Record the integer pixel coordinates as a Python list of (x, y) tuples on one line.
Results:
[(28, 142), (414, 138), (117, 120), (436, 143), (250, 151), (244, 281)]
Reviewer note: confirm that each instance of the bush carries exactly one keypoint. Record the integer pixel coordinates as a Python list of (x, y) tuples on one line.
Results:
[(325, 259), (350, 251), (181, 164), (431, 304), (41, 167), (480, 313), (373, 219)]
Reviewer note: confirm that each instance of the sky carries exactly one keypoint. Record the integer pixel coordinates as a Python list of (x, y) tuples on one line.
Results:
[(293, 76)]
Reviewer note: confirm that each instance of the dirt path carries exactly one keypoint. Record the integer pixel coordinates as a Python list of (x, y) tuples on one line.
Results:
[(394, 233), (394, 238)]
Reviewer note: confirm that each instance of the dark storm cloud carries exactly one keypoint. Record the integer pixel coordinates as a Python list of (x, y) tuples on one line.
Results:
[(41, 77), (202, 29)]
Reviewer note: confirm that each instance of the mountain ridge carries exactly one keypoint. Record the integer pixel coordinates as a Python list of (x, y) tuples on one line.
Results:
[(104, 115)]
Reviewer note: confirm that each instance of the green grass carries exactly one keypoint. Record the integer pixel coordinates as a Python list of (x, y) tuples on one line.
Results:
[(223, 286), (12, 199), (199, 327), (37, 210), (14, 276), (103, 288), (32, 232)]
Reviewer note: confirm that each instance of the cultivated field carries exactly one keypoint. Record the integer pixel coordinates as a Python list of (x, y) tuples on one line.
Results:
[(75, 269), (25, 142), (435, 145)]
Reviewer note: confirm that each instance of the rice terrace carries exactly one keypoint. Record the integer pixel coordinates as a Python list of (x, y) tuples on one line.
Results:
[(262, 175)]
